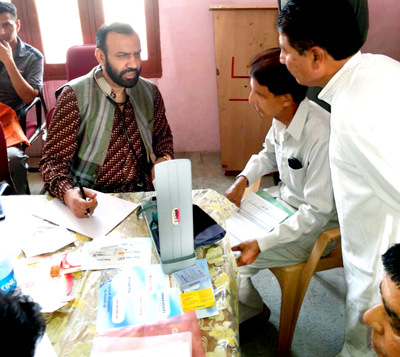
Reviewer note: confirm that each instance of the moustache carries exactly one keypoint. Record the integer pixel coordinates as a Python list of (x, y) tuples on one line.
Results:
[(129, 71)]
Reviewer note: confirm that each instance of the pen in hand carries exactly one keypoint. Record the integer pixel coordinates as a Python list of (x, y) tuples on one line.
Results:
[(82, 193)]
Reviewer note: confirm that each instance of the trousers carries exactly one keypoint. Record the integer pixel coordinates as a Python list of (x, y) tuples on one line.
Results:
[(18, 169), (250, 301)]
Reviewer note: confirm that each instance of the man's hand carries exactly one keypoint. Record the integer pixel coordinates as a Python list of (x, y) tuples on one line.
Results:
[(24, 90), (250, 251), (5, 52), (78, 205), (236, 191), (160, 159)]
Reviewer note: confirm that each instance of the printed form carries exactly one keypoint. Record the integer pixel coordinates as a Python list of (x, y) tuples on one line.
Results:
[(256, 217)]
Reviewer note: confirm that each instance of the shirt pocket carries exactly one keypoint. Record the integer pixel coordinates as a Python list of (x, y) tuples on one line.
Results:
[(297, 178)]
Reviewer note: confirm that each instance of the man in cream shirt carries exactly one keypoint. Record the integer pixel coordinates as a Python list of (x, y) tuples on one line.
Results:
[(320, 44), (297, 144)]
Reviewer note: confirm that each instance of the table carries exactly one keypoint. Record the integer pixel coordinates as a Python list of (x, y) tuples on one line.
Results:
[(72, 328)]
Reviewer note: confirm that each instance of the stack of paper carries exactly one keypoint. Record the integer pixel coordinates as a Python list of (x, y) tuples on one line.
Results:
[(108, 214), (256, 217)]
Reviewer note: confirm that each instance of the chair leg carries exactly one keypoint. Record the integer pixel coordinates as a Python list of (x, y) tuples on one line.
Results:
[(11, 183), (289, 309), (28, 191)]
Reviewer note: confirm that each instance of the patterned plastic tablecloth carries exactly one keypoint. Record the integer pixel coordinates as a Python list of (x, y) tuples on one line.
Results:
[(73, 328)]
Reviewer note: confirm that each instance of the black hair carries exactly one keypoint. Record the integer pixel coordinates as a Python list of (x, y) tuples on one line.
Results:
[(10, 8), (391, 263), (269, 72), (117, 27), (21, 324), (329, 24)]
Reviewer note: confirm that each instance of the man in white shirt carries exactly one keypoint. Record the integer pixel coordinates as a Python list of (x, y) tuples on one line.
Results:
[(296, 144), (320, 44), (360, 8)]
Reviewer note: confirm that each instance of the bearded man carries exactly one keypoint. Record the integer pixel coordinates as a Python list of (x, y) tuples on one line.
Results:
[(108, 128)]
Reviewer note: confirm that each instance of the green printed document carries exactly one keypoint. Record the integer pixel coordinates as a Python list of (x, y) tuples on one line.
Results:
[(259, 213), (274, 201)]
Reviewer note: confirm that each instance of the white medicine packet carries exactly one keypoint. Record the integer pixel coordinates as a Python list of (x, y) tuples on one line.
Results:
[(189, 277)]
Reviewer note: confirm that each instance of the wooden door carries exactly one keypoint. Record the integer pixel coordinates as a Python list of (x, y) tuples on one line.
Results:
[(240, 33)]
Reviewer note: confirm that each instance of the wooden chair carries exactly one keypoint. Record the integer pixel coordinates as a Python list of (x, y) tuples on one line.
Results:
[(294, 281), (252, 188)]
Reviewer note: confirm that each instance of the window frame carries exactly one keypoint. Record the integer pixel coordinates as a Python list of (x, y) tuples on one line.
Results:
[(92, 17)]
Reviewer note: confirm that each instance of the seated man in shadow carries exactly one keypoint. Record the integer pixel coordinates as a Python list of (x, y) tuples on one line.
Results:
[(21, 79), (108, 128), (21, 325), (296, 144), (384, 319)]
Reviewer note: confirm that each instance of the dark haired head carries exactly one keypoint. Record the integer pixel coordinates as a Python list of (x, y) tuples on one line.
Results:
[(10, 8), (329, 24), (117, 27), (391, 263), (269, 72), (21, 325)]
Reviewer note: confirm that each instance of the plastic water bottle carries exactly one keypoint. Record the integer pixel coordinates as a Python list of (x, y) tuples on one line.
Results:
[(7, 279)]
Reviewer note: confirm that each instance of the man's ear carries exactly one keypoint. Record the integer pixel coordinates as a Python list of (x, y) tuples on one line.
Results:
[(18, 25), (287, 100), (318, 56), (100, 56)]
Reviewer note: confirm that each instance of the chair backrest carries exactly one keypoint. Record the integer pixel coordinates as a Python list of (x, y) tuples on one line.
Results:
[(80, 60), (49, 116), (4, 168)]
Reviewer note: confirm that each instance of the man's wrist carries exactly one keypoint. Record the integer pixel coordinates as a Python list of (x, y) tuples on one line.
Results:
[(166, 157), (63, 187), (241, 181), (9, 62), (264, 243)]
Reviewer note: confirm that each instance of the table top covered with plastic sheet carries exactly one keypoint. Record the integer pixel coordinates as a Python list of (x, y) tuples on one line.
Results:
[(72, 328)]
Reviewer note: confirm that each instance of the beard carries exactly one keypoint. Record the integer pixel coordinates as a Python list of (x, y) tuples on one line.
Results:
[(117, 78)]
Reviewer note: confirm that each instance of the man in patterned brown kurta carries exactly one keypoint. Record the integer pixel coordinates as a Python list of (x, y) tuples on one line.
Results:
[(118, 53)]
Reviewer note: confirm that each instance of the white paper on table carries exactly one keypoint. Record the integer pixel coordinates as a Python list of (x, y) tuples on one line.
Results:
[(173, 345), (133, 252), (46, 240), (19, 223), (44, 348), (108, 214), (256, 217)]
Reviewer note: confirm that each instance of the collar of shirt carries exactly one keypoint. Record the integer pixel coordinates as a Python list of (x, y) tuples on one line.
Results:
[(21, 49), (296, 126), (329, 90)]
